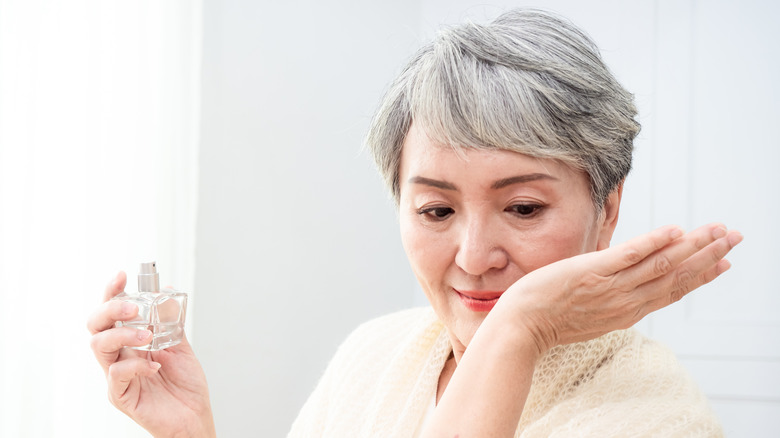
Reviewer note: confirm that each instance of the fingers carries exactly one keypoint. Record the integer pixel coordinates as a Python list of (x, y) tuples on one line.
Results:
[(660, 269), (115, 286), (121, 374), (107, 344), (109, 313), (636, 250), (699, 269), (107, 341), (668, 258)]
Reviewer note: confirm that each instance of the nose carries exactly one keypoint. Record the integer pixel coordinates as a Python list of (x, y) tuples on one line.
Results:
[(480, 248)]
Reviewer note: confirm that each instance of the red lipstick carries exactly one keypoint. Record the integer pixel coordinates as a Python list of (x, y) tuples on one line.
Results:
[(479, 300)]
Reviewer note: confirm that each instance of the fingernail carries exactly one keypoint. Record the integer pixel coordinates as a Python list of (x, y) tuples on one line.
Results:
[(676, 232), (735, 238), (143, 334), (154, 365), (719, 232)]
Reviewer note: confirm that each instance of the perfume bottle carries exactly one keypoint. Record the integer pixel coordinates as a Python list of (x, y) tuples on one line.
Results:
[(161, 312)]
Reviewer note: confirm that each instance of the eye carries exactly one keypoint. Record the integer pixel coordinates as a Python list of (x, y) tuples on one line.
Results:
[(435, 213), (524, 210)]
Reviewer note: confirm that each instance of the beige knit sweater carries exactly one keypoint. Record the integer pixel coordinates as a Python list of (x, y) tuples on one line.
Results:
[(384, 376)]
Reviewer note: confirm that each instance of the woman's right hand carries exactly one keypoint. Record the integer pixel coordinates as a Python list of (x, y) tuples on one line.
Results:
[(163, 391)]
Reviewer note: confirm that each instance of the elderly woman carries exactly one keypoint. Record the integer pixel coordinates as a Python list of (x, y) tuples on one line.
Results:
[(505, 147)]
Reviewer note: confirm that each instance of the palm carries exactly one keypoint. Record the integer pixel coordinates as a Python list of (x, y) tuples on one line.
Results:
[(177, 394)]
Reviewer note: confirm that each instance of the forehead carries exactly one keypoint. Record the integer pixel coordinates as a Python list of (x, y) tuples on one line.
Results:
[(420, 156)]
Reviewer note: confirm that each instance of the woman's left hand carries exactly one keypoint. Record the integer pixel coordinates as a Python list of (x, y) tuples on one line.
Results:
[(583, 297), (571, 300)]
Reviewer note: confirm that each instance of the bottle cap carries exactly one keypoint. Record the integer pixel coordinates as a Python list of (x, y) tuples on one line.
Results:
[(148, 278)]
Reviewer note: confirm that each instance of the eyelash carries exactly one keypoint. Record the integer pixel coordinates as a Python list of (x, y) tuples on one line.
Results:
[(427, 213), (535, 209), (438, 214)]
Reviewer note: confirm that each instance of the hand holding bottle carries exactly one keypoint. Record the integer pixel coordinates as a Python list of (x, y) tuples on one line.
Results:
[(164, 391)]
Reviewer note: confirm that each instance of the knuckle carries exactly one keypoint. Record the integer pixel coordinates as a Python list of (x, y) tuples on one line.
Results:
[(632, 256), (681, 286), (676, 295), (94, 343), (591, 280), (702, 241), (719, 252), (709, 276), (588, 280), (627, 310), (116, 373), (662, 264), (113, 371), (682, 279)]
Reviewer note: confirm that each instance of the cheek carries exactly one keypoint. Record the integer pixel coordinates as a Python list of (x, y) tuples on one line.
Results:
[(553, 243), (427, 252)]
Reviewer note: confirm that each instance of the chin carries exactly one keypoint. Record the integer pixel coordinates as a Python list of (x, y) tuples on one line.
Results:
[(462, 327)]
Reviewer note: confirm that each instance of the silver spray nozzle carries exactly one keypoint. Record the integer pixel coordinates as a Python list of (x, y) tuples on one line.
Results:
[(148, 278)]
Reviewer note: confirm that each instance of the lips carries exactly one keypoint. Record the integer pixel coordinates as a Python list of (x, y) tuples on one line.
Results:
[(479, 300)]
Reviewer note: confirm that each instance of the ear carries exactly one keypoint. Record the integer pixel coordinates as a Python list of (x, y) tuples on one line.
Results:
[(609, 217)]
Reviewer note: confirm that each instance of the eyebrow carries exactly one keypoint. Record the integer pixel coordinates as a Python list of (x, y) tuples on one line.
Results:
[(500, 184), (444, 185)]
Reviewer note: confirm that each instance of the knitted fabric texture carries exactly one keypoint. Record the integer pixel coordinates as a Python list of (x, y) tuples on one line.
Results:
[(383, 377)]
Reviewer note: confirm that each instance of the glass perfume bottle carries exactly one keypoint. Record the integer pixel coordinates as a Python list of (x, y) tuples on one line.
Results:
[(162, 312)]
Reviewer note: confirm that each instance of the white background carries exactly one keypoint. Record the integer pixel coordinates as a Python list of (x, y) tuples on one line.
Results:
[(98, 141), (296, 243), (244, 122)]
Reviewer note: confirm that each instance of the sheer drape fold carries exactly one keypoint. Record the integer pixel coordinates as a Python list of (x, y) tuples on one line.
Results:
[(98, 135)]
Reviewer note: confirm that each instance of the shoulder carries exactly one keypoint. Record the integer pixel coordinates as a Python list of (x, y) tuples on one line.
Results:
[(622, 383), (384, 365), (628, 363), (397, 322), (385, 334), (398, 343), (658, 395)]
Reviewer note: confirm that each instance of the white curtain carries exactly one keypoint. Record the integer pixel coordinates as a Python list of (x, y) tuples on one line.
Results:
[(98, 160)]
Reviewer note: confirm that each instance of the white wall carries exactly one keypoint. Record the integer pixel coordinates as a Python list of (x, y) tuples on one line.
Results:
[(296, 242)]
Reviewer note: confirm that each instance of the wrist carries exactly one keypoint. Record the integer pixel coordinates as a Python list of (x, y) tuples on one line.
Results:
[(201, 429), (491, 381), (517, 325)]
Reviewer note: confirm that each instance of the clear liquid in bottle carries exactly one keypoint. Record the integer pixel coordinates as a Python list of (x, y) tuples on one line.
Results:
[(162, 312)]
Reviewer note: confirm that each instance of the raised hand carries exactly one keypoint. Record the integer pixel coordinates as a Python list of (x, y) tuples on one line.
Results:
[(574, 299), (583, 297), (163, 391)]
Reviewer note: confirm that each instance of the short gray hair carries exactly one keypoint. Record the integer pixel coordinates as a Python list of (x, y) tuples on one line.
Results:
[(529, 82)]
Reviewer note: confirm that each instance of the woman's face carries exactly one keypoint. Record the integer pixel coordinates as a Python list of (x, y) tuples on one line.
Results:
[(474, 223)]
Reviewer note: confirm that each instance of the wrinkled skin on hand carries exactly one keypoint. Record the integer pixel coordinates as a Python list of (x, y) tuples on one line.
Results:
[(585, 296)]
